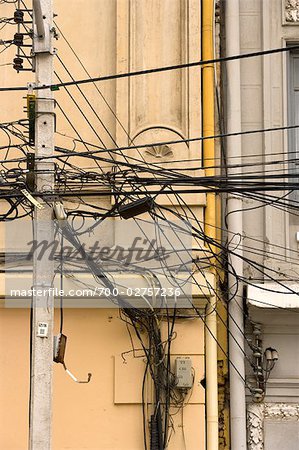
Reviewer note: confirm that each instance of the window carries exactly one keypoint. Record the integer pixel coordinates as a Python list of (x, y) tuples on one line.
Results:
[(294, 105), (293, 139)]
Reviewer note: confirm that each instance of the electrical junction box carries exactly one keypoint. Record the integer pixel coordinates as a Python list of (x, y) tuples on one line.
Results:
[(42, 329), (59, 348), (183, 372)]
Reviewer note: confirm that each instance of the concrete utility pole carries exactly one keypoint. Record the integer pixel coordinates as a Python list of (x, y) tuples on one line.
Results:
[(43, 270)]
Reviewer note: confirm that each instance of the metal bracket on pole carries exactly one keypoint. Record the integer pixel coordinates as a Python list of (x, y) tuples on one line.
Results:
[(42, 32), (30, 87), (39, 19), (34, 202)]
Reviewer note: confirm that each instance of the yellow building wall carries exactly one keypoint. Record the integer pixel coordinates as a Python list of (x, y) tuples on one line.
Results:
[(106, 413)]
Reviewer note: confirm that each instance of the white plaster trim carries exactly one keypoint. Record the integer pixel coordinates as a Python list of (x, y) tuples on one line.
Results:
[(257, 413)]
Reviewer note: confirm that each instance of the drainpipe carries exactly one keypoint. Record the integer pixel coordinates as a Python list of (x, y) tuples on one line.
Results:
[(208, 126), (235, 226)]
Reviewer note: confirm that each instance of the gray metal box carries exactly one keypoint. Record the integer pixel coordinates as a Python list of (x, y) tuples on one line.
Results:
[(183, 372)]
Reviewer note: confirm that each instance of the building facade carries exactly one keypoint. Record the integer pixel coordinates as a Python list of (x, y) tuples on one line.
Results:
[(269, 245), (98, 38)]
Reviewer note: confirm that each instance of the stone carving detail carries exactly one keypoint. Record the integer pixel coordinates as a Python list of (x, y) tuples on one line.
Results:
[(258, 412), (292, 11), (159, 151), (282, 411), (255, 425)]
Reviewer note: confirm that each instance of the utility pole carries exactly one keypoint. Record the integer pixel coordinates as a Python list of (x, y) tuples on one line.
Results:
[(43, 269)]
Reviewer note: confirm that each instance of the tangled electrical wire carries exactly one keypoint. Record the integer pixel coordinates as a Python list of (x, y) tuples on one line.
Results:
[(86, 171), (128, 180)]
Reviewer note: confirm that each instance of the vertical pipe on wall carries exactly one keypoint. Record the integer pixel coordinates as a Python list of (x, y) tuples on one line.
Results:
[(235, 226), (208, 125)]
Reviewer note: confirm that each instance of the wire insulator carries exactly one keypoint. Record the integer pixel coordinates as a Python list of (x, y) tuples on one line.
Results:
[(18, 39), (18, 16), (18, 63)]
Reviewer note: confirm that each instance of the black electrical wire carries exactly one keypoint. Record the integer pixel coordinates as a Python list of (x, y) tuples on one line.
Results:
[(157, 69), (179, 141), (136, 316)]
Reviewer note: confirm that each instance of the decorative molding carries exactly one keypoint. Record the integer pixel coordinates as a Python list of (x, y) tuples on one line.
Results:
[(255, 426), (257, 413), (283, 390), (158, 35), (152, 34), (291, 11), (160, 151), (282, 411)]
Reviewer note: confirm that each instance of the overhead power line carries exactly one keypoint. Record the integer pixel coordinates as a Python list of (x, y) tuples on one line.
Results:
[(156, 70), (178, 141), (99, 149)]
